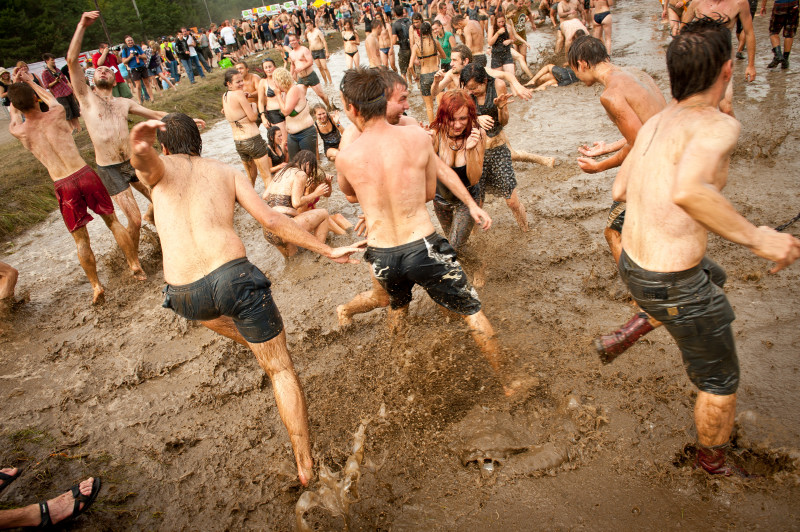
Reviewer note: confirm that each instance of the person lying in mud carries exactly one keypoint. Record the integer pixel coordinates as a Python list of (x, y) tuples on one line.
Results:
[(205, 264), (404, 248), (672, 181), (552, 76), (630, 98), (48, 137)]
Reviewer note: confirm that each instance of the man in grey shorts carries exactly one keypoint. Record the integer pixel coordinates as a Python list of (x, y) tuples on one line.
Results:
[(303, 67), (106, 119), (209, 278), (672, 180)]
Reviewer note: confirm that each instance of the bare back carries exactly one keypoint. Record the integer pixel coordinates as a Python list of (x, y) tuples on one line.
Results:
[(473, 36), (640, 94), (48, 136), (194, 204), (658, 234), (392, 171)]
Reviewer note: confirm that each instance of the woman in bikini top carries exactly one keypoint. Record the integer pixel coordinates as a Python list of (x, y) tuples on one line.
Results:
[(268, 105), (293, 102), (240, 113), (351, 41)]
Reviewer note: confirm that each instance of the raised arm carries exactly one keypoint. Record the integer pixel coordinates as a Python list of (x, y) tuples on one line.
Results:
[(46, 96), (80, 87), (144, 158)]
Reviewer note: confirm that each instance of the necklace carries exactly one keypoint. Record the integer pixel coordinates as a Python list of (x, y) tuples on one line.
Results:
[(456, 147)]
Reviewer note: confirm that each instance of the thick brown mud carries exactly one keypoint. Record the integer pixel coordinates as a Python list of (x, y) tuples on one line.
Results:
[(182, 424)]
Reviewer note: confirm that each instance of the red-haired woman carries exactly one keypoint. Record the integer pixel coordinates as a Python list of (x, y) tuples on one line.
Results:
[(460, 143)]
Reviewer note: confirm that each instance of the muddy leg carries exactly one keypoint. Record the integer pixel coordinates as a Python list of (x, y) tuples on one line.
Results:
[(144, 191), (224, 326), (341, 221), (86, 258), (318, 89), (252, 171), (397, 320), (714, 416), (263, 165), (126, 244), (518, 210), (483, 334), (363, 302), (8, 280), (273, 357), (127, 204)]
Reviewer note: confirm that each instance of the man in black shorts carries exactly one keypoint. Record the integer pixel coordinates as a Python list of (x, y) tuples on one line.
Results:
[(400, 29), (672, 180), (404, 248), (205, 265)]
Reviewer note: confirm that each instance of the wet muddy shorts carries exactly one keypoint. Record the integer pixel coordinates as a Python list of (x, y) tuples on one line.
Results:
[(564, 76), (252, 148), (498, 176), (236, 289), (501, 57), (70, 105), (274, 116), (426, 82), (480, 59), (80, 191), (784, 17), (429, 262), (318, 54), (616, 216), (403, 58), (117, 177), (454, 216), (310, 80), (695, 311)]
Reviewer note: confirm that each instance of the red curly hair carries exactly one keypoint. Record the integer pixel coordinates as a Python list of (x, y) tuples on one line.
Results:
[(452, 101)]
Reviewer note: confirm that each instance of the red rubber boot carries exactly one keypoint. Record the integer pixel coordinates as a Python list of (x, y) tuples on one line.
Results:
[(613, 345)]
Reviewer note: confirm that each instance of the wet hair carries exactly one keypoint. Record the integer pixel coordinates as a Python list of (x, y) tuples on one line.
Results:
[(22, 96), (364, 89), (282, 78), (47, 57), (426, 30), (473, 72), (398, 10), (416, 16), (463, 50), (271, 132), (229, 75), (390, 80), (181, 135), (302, 160), (456, 19), (696, 56), (589, 49), (451, 102)]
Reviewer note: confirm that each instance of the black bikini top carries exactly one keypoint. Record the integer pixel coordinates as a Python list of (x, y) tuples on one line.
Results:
[(352, 38)]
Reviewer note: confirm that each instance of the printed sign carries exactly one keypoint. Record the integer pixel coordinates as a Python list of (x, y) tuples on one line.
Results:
[(262, 11), (288, 6)]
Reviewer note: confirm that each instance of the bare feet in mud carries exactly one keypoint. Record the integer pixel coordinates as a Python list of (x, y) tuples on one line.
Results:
[(305, 473), (138, 274), (99, 296), (344, 319)]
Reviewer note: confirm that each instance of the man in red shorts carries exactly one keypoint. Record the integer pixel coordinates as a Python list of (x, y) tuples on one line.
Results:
[(49, 137)]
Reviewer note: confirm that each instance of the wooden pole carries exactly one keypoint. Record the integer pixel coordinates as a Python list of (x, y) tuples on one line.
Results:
[(103, 22)]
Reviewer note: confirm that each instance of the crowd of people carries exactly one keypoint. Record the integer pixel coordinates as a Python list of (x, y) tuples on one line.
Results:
[(463, 56)]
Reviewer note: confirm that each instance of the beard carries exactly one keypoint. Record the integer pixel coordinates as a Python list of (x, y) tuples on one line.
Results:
[(105, 83)]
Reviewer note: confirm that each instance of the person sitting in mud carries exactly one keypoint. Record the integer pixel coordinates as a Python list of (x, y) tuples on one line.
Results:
[(329, 129), (552, 76), (51, 514), (48, 136), (492, 105), (277, 153), (429, 52), (286, 192), (672, 180), (404, 248), (630, 99), (303, 69), (241, 114), (208, 276)]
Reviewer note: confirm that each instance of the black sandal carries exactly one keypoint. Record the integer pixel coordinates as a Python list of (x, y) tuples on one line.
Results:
[(8, 479), (44, 509)]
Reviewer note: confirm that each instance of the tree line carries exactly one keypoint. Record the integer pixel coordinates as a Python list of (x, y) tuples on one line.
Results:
[(46, 26)]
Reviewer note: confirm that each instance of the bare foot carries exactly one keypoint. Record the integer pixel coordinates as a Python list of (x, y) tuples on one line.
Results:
[(138, 274), (344, 319), (62, 506), (99, 296), (305, 473)]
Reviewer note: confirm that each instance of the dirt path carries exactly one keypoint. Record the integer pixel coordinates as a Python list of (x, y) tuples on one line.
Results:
[(182, 425)]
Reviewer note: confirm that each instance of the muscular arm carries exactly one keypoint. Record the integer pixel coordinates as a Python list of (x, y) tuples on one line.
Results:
[(140, 110), (46, 96), (144, 158)]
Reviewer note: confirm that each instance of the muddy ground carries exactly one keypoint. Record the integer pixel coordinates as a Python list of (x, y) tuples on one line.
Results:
[(182, 424)]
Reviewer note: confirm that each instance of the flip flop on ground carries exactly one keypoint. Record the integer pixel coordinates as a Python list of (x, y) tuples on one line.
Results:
[(59, 515)]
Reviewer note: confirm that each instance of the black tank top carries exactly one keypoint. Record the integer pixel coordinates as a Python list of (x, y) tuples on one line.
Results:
[(488, 108), (444, 192), (330, 139)]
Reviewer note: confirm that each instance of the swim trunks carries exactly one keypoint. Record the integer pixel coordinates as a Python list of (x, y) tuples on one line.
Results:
[(252, 148), (498, 176), (753, 8), (695, 311), (429, 262), (564, 76), (318, 54), (70, 105), (384, 50), (600, 17), (274, 116), (236, 289), (77, 192), (117, 177), (426, 82), (310, 80), (784, 17), (616, 216)]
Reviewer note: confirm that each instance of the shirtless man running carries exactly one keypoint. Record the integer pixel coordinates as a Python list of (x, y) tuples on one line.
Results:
[(471, 33), (728, 11), (630, 98), (48, 136), (106, 119), (303, 68), (319, 50), (205, 265), (672, 181), (404, 248)]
